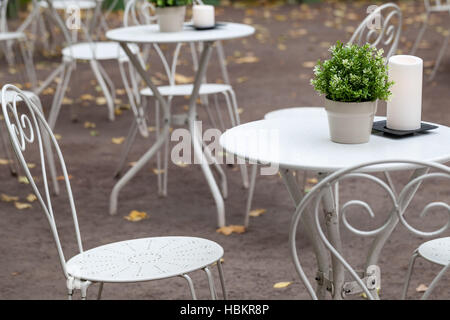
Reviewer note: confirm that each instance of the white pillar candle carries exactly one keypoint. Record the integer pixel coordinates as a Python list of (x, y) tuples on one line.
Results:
[(404, 110), (203, 16)]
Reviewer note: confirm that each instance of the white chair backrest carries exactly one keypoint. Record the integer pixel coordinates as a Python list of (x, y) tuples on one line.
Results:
[(313, 203), (26, 126), (381, 29), (437, 5), (146, 15)]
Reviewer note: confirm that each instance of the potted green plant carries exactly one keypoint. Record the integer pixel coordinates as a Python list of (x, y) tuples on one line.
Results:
[(171, 14), (352, 80)]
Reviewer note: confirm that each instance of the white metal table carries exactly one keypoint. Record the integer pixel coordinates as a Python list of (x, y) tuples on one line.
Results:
[(148, 34), (304, 144)]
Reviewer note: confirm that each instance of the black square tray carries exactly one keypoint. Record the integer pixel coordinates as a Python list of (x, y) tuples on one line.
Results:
[(381, 127)]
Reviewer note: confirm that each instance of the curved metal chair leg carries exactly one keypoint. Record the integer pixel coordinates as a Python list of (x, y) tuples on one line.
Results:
[(69, 294), (129, 141), (191, 286), (219, 114), (439, 58), (408, 274), (158, 153), (102, 82), (251, 191), (59, 94), (420, 35), (219, 170), (222, 280), (435, 281), (212, 289), (100, 291)]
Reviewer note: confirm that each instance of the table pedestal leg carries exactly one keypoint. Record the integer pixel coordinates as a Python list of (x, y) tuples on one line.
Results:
[(311, 232)]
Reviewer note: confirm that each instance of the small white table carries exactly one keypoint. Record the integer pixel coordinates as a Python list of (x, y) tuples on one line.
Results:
[(304, 144), (147, 34)]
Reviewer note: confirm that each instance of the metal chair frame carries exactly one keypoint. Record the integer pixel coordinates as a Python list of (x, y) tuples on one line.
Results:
[(324, 197), (433, 6), (31, 127)]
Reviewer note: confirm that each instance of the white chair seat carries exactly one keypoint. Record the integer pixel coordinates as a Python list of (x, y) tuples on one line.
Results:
[(4, 36), (299, 112), (144, 259), (98, 50), (186, 89), (61, 4), (437, 251)]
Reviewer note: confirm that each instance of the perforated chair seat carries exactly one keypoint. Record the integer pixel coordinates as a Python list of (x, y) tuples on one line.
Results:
[(186, 89), (436, 251), (98, 50), (144, 259)]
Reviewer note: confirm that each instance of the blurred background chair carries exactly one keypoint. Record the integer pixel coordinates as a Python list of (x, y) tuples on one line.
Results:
[(434, 6)]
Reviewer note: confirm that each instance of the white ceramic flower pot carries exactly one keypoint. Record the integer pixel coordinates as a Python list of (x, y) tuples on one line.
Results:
[(171, 19), (350, 122)]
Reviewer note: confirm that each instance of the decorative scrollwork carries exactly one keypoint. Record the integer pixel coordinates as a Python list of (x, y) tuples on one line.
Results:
[(385, 32)]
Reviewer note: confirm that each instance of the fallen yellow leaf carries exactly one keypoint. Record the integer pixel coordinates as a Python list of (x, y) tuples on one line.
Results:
[(88, 125), (242, 79), (227, 230), (21, 206), (118, 140), (179, 78), (281, 285), (181, 164), (257, 212), (87, 97), (135, 216), (6, 198), (4, 161), (23, 179), (31, 165), (118, 111), (31, 197), (67, 101), (60, 178), (247, 59), (100, 101), (421, 288), (309, 64), (58, 136), (157, 172)]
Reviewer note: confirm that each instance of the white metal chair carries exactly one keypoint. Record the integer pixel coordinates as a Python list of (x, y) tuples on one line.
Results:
[(381, 29), (7, 40), (325, 198), (433, 6), (436, 251), (92, 51), (139, 12), (135, 260)]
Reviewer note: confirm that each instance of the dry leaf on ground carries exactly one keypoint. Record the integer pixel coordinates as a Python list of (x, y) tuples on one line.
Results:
[(23, 179), (135, 216), (156, 171), (7, 198), (257, 212), (421, 288), (281, 285), (118, 140), (31, 197), (88, 125), (227, 230), (21, 205), (60, 178), (4, 161)]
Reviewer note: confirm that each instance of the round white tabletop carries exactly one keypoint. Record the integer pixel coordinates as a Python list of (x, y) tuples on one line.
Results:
[(304, 144), (150, 34)]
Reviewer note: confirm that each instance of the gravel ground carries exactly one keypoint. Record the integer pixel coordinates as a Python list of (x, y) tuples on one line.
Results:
[(289, 39)]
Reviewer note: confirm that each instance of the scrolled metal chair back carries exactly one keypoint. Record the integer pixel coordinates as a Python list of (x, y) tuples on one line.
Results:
[(26, 126), (381, 28), (327, 191)]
